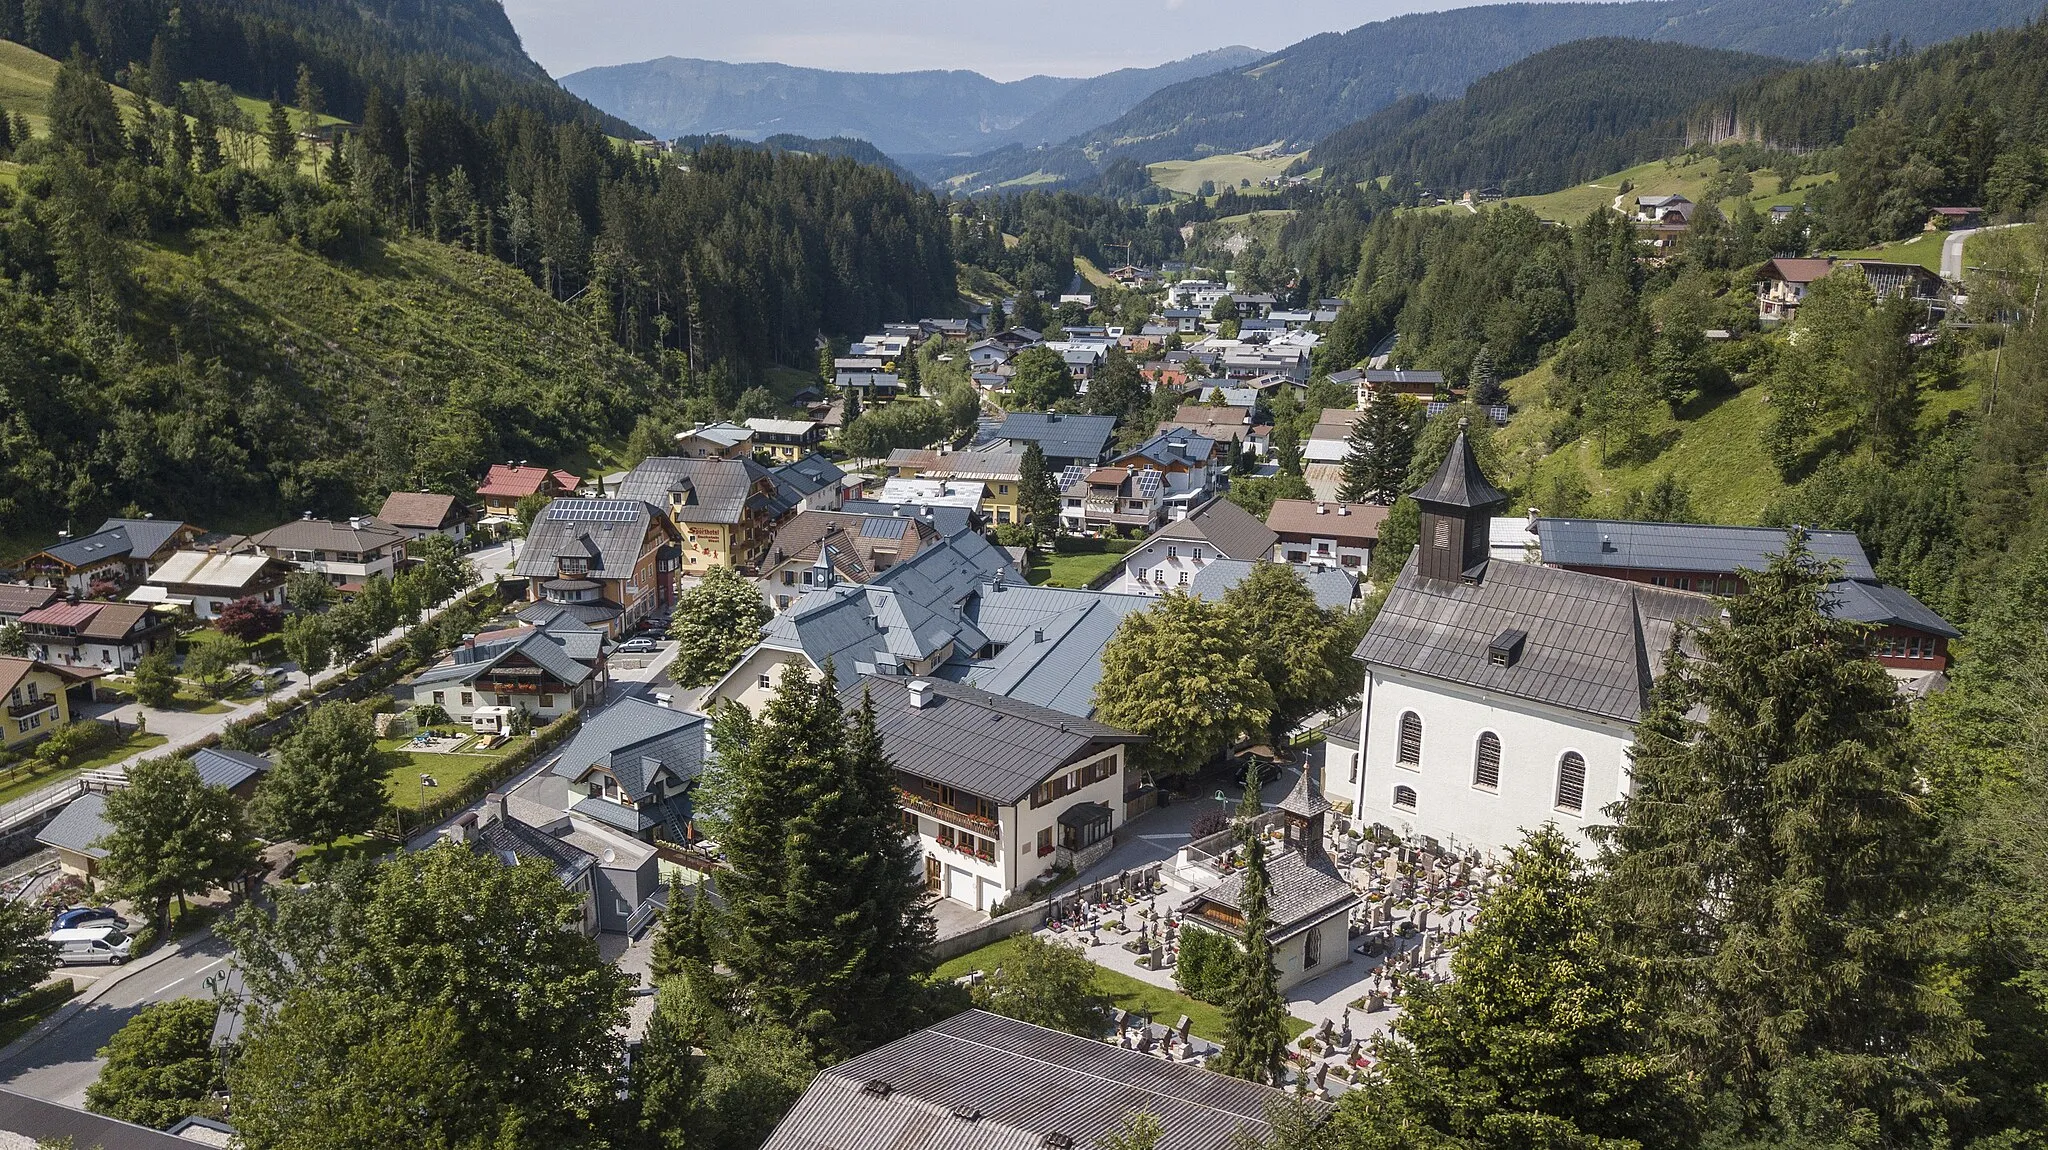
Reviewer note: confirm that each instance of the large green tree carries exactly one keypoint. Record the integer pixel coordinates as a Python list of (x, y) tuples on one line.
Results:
[(1118, 388), (1777, 865), (160, 1066), (713, 625), (827, 920), (1303, 651), (328, 781), (1039, 380), (1380, 448), (1038, 495), (82, 113), (1183, 674), (1254, 1014), (1047, 984), (26, 954), (171, 836), (443, 999), (1543, 1036)]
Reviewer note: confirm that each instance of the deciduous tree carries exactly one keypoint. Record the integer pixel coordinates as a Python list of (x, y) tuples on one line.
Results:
[(328, 781), (172, 836), (160, 1067), (1182, 673), (1040, 379), (26, 954), (714, 624), (249, 619), (1047, 984), (156, 680)]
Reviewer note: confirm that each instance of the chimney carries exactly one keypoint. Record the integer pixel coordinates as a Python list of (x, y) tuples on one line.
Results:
[(1535, 513), (1322, 510), (307, 516), (462, 830), (1038, 634), (921, 694), (494, 805), (1343, 509)]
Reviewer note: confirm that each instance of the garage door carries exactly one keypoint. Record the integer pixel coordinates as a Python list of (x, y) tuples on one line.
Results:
[(962, 886), (991, 893)]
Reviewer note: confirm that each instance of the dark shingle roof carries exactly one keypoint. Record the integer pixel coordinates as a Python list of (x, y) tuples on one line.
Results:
[(509, 841), (546, 650), (985, 744), (1025, 1083), (1593, 644), (722, 489), (1300, 892), (605, 532), (47, 1123), (421, 509), (1687, 546), (230, 769), (1886, 606), (1060, 436), (794, 482), (1458, 482), (632, 736), (949, 521), (17, 599)]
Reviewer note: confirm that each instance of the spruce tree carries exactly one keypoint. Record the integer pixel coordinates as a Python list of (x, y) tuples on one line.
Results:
[(1381, 448), (278, 137), (1777, 864), (82, 113), (1254, 1015), (827, 922), (1038, 497)]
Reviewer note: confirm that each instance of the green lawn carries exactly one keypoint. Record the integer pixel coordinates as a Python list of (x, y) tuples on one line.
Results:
[(1076, 569), (402, 777), (1187, 176), (24, 779), (1684, 175), (1923, 249), (1165, 1006), (189, 700), (20, 1016)]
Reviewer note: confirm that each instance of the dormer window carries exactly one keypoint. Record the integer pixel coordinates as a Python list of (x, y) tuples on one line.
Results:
[(575, 566), (1506, 648)]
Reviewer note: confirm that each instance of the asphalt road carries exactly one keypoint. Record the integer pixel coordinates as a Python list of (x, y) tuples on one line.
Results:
[(62, 1063)]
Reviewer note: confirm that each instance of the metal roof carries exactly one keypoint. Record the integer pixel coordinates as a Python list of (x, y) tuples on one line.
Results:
[(80, 824), (509, 841), (1886, 606), (48, 1123), (219, 767), (211, 569), (1594, 643), (1333, 587), (949, 521), (722, 490), (1061, 436), (608, 533), (1234, 532), (985, 744), (1300, 891), (631, 737), (1688, 546), (1022, 1085)]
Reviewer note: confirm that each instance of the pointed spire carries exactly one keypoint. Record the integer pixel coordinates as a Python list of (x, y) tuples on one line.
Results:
[(1459, 482), (1306, 799)]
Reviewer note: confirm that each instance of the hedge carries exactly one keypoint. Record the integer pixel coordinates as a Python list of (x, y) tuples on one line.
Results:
[(477, 786), (1207, 965)]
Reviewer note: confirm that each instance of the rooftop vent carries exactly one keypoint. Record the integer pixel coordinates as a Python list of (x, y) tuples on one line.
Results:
[(877, 1088), (1322, 510), (1057, 1142), (921, 694), (1038, 634), (1343, 509), (1607, 544), (1506, 648), (967, 1114)]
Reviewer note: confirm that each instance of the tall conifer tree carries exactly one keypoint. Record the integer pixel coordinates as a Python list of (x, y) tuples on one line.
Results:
[(1254, 1016)]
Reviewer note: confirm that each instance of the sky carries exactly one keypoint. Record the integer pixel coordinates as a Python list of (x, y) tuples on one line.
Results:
[(1003, 40)]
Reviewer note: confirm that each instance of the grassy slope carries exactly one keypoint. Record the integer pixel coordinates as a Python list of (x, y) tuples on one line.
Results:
[(1923, 249), (1186, 176), (1684, 175)]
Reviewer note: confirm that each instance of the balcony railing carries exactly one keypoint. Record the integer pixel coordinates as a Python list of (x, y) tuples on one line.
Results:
[(34, 706), (946, 814)]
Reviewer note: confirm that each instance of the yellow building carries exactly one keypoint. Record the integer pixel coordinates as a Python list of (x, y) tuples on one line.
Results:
[(1001, 472), (726, 510), (36, 697)]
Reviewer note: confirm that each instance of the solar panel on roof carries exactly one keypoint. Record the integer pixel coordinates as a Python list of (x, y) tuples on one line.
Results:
[(594, 510), (879, 528), (1148, 483)]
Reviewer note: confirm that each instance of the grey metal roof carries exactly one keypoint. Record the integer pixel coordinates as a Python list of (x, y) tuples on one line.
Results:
[(1025, 1084), (98, 546), (607, 533), (1345, 728), (1594, 643), (631, 738), (1059, 435), (544, 649), (1231, 530), (1688, 546), (612, 814), (985, 744), (81, 823), (1332, 586), (796, 481), (1886, 606), (721, 490), (219, 767), (949, 520), (1048, 644), (509, 841), (46, 1123), (147, 536), (1458, 482)]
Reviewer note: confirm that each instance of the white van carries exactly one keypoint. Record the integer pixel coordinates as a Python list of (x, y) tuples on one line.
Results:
[(83, 945)]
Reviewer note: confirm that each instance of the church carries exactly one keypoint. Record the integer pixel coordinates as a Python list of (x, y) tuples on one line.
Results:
[(1500, 695)]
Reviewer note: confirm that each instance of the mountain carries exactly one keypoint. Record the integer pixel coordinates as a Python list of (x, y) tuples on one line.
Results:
[(1562, 116), (838, 147), (464, 51), (902, 113), (1304, 93)]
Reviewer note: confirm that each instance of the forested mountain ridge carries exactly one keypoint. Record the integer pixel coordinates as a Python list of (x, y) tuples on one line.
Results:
[(1309, 90), (1562, 116), (463, 51), (902, 113)]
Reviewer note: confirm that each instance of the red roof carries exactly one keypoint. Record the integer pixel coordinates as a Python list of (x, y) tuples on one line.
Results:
[(520, 482), (63, 614)]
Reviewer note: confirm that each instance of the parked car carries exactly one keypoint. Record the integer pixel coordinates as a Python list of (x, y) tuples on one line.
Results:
[(78, 916), (85, 945), (640, 646)]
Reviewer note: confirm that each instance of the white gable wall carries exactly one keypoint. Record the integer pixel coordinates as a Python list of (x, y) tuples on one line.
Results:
[(1533, 740)]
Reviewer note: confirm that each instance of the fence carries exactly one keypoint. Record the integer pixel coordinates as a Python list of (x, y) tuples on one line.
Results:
[(1032, 917)]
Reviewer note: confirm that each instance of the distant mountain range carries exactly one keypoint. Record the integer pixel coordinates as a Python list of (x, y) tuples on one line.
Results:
[(902, 113)]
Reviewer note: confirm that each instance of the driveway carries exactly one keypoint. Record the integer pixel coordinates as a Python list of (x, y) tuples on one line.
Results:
[(1952, 250)]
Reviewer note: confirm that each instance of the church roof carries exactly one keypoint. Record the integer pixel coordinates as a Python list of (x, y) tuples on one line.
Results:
[(1458, 482), (1306, 799), (1300, 892)]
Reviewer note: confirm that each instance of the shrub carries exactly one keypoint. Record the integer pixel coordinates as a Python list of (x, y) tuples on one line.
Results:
[(1207, 967), (1209, 823)]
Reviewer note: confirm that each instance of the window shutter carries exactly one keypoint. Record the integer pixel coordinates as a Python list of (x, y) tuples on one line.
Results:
[(1411, 739), (1486, 762), (1571, 782)]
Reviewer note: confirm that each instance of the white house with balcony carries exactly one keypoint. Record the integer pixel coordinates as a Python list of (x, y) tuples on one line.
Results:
[(347, 553), (998, 792), (1174, 557)]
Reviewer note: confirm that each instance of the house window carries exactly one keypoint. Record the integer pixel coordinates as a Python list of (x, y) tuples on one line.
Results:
[(440, 698), (1198, 554), (1183, 578), (1443, 533), (1173, 552), (1486, 761), (1312, 948), (547, 701), (781, 601), (1002, 489), (789, 578), (761, 681), (1409, 754), (469, 699), (1045, 842), (1571, 782), (909, 822), (1404, 798)]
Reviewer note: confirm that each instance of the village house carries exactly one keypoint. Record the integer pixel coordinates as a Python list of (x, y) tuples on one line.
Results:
[(1065, 439), (346, 553), (1158, 481), (546, 671), (722, 440), (821, 548), (39, 697), (1171, 559), (1028, 1088), (203, 582), (615, 877), (725, 510), (1422, 385), (122, 552), (1000, 473), (966, 494), (988, 355), (75, 836), (1309, 903), (786, 440), (236, 772), (1222, 424), (610, 562), (1785, 281), (416, 514), (18, 599), (1332, 587), (107, 636), (1670, 209), (1325, 534), (813, 483), (997, 791), (505, 484), (1500, 696), (632, 767), (1330, 440)]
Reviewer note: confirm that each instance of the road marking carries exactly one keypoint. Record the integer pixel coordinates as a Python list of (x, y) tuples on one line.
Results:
[(176, 981)]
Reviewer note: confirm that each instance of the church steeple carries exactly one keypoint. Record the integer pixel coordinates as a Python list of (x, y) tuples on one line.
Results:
[(1457, 505), (1303, 810)]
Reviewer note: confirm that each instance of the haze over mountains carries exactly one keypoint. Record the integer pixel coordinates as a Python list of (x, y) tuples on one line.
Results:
[(902, 113)]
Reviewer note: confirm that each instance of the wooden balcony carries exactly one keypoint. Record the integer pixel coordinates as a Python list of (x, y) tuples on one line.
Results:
[(986, 827)]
